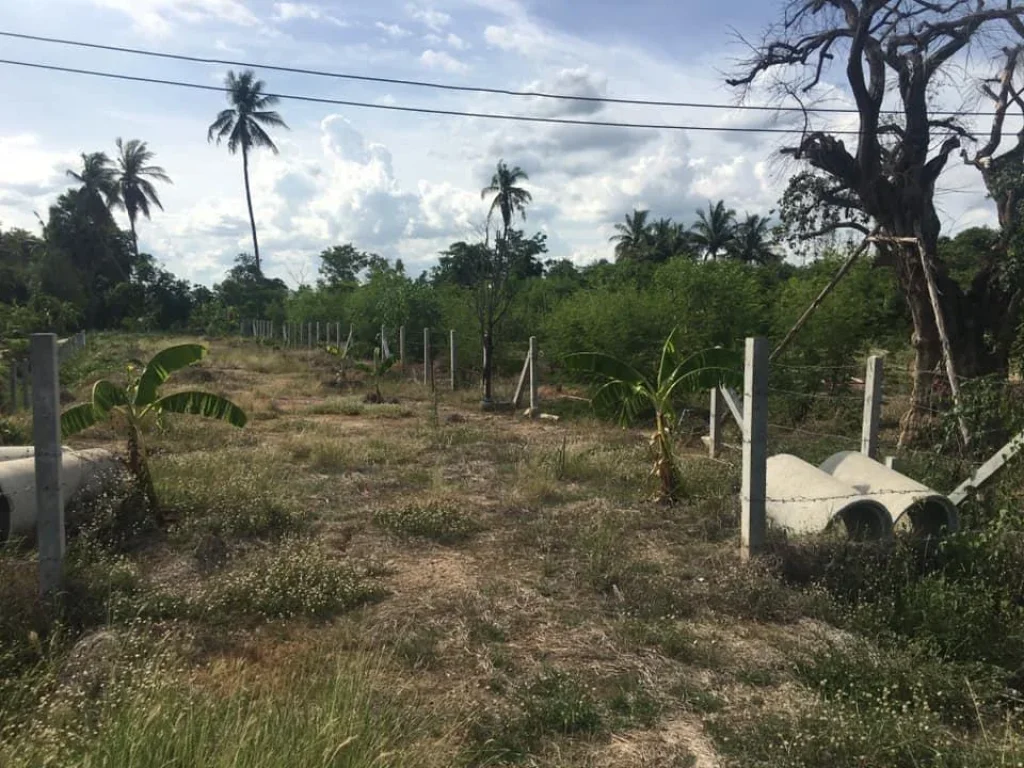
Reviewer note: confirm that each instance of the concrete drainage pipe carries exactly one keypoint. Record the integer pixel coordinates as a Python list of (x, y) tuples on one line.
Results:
[(913, 506), (82, 472), (804, 499)]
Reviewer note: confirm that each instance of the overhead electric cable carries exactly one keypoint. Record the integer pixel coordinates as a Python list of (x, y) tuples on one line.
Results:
[(420, 110), (453, 87)]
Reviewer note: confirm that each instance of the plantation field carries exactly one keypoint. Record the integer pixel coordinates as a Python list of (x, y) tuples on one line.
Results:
[(418, 583)]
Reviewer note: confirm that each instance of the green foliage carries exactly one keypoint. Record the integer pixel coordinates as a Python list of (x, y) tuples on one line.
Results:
[(622, 389), (863, 311)]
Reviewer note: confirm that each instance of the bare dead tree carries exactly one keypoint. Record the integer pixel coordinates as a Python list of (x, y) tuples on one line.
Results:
[(903, 50)]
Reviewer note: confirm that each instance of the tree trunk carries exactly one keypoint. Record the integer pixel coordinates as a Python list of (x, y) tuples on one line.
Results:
[(248, 200), (135, 239)]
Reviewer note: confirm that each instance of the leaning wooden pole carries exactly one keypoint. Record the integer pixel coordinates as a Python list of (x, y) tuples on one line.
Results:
[(820, 298), (947, 350)]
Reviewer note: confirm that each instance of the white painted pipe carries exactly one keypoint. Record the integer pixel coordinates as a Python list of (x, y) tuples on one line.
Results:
[(804, 499), (82, 471), (12, 452), (912, 505)]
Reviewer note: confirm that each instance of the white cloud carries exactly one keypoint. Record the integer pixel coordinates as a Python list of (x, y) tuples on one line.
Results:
[(290, 11), (392, 30), (455, 41), (157, 17), (442, 60), (434, 19)]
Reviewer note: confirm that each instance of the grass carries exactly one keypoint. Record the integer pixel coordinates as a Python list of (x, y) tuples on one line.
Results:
[(519, 596), (343, 716)]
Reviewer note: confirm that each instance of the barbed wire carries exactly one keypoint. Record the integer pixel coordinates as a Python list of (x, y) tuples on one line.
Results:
[(817, 395)]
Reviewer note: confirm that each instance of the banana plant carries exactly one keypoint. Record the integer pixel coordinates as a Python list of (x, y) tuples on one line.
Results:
[(632, 394), (131, 406), (381, 365)]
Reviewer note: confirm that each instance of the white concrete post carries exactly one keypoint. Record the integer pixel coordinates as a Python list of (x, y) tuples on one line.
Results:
[(715, 424), (318, 333), (337, 333), (382, 344), (755, 448), (401, 345), (46, 438), (428, 372), (309, 335), (534, 399), (453, 363), (872, 407)]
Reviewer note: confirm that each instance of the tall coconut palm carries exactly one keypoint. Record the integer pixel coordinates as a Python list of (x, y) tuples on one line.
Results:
[(752, 242), (714, 230), (135, 190), (242, 126), (509, 199), (633, 237), (98, 177)]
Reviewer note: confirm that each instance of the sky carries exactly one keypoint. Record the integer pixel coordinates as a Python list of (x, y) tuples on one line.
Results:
[(398, 184)]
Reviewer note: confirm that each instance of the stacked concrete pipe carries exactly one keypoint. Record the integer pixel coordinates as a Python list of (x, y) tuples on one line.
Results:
[(83, 472), (867, 497)]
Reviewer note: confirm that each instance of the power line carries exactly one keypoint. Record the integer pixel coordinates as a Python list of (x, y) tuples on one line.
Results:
[(420, 110), (451, 87)]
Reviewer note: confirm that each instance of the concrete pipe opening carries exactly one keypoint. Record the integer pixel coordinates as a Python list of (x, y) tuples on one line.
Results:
[(932, 516), (863, 520)]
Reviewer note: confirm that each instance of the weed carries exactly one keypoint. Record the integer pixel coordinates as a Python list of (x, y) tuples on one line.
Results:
[(671, 638), (235, 498), (440, 520), (293, 578)]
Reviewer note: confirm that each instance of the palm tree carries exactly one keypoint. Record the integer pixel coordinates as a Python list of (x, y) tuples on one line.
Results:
[(242, 126), (98, 178), (752, 243), (632, 394), (135, 190), (667, 240), (633, 238), (508, 198), (714, 230)]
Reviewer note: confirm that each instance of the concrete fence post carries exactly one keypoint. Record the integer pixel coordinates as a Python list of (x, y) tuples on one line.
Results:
[(453, 356), (715, 424), (46, 438), (534, 399), (309, 335), (872, 407), (401, 345), (755, 448), (337, 333), (428, 366), (318, 333)]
